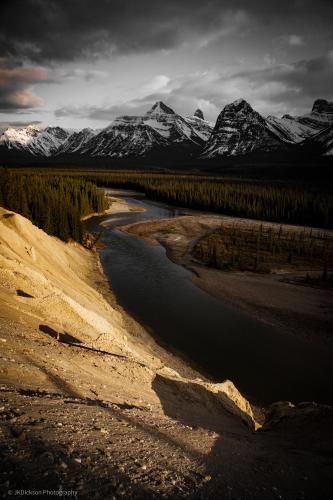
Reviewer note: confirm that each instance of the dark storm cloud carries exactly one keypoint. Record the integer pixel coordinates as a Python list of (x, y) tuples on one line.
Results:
[(56, 30), (312, 77), (15, 86)]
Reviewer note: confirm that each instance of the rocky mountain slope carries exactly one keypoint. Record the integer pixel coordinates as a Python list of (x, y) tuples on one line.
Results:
[(321, 142), (297, 129), (76, 141), (161, 133), (126, 136), (160, 129), (240, 130), (202, 127), (35, 140)]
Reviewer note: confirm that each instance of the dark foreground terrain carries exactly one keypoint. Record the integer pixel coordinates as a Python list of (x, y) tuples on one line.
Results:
[(57, 438)]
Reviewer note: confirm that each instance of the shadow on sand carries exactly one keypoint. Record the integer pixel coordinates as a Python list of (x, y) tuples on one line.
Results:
[(62, 337), (282, 463)]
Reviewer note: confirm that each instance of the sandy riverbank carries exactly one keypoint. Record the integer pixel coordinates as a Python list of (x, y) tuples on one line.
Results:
[(90, 403), (117, 205), (273, 298)]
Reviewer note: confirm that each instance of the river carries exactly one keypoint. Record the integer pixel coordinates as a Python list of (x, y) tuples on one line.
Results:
[(265, 364)]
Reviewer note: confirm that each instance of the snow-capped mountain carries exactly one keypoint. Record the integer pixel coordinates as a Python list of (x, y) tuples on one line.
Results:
[(162, 134), (320, 116), (19, 138), (171, 125), (240, 130), (127, 136), (137, 136), (295, 129), (34, 140)]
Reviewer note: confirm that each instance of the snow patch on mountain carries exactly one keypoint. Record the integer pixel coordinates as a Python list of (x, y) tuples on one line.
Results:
[(202, 127), (17, 137), (76, 141), (240, 130), (159, 127), (296, 129), (35, 140), (136, 136)]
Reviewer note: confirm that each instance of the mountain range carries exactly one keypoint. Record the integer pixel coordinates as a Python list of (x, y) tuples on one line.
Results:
[(163, 134)]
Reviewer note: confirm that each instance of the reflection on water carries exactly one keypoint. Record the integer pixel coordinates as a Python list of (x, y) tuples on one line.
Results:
[(265, 364)]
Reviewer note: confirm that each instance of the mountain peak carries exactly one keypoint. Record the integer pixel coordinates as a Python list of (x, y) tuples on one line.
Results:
[(33, 126), (322, 106), (239, 105), (239, 130), (199, 114), (160, 108), (239, 109)]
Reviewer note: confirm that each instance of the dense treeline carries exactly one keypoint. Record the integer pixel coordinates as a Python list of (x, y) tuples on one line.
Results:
[(264, 248), (308, 204), (279, 202), (53, 203)]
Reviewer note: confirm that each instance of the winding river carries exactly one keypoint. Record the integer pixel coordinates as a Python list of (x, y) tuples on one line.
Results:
[(265, 364)]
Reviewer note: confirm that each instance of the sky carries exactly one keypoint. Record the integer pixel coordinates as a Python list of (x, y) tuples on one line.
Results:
[(81, 63)]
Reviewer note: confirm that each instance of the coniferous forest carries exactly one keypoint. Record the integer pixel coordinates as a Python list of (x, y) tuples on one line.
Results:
[(272, 201), (53, 203), (257, 248), (56, 201)]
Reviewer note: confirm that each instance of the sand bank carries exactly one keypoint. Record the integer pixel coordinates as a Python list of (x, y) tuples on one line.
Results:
[(274, 298)]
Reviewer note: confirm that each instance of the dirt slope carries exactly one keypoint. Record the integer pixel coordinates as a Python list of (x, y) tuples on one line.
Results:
[(89, 403)]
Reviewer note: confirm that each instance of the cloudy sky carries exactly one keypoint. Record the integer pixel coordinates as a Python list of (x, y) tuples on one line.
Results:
[(79, 63)]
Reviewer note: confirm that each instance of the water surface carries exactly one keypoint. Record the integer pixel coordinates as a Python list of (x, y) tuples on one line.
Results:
[(266, 364)]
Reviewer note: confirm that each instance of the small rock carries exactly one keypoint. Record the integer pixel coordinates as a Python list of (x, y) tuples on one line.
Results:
[(63, 465), (17, 412), (32, 421), (47, 457), (59, 424), (16, 432), (78, 460)]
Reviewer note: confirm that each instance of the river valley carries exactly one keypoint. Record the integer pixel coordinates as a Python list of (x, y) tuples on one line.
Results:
[(266, 363)]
